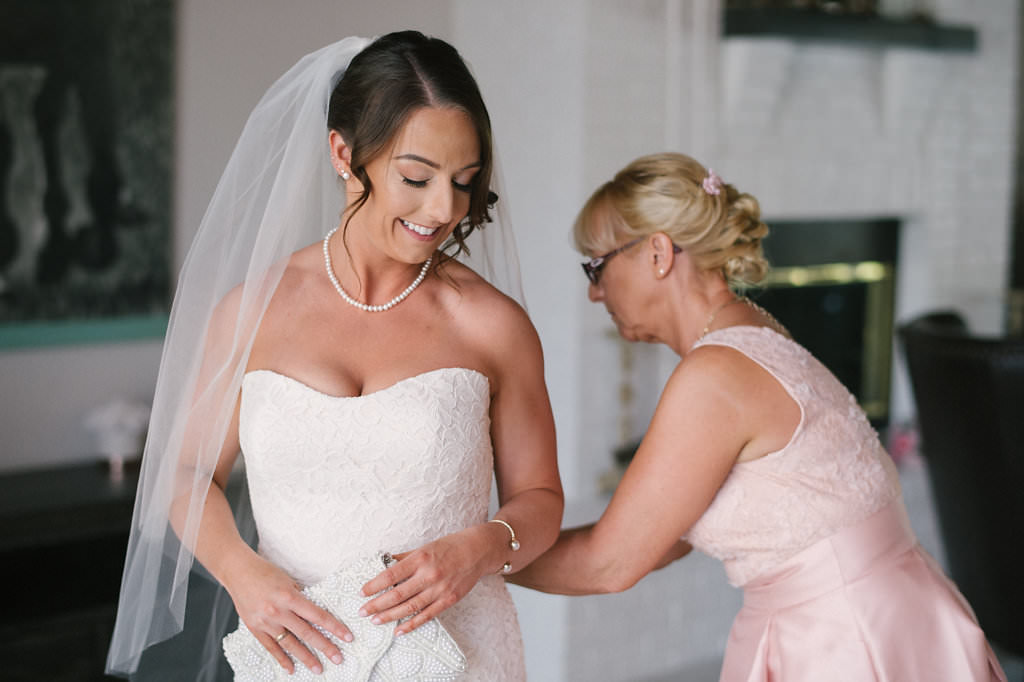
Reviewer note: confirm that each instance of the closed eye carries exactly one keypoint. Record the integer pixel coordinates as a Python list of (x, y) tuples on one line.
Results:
[(462, 188), (414, 183)]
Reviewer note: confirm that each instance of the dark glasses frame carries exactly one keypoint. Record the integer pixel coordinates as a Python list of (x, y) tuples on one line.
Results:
[(592, 268)]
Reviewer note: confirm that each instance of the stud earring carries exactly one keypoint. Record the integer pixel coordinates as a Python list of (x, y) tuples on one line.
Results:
[(345, 175), (661, 271)]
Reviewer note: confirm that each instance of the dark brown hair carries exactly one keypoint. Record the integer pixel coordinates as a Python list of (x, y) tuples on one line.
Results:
[(396, 75)]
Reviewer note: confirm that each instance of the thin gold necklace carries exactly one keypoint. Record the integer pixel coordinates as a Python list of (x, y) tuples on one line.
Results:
[(774, 323), (714, 313)]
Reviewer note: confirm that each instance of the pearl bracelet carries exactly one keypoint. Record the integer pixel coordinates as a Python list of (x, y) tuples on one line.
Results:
[(513, 544)]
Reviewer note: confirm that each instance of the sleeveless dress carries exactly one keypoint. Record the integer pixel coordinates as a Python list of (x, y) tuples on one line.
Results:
[(338, 478), (835, 585)]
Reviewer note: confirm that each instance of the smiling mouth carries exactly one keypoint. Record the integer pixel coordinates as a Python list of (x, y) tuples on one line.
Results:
[(419, 229)]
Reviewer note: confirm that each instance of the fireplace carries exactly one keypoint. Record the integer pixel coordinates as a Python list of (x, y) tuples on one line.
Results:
[(832, 285)]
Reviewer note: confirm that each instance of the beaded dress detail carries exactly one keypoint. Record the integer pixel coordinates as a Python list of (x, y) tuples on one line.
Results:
[(333, 479), (833, 472)]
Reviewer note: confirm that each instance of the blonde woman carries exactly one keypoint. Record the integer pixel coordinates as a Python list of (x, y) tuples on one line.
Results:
[(756, 455)]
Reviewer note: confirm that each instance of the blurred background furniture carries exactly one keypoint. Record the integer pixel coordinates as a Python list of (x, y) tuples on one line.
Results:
[(63, 534), (969, 393)]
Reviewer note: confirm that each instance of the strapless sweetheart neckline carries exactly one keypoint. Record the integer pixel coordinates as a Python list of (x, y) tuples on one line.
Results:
[(335, 478), (404, 380)]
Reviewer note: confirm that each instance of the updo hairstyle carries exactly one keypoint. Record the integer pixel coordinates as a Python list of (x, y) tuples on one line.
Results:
[(665, 193), (396, 75)]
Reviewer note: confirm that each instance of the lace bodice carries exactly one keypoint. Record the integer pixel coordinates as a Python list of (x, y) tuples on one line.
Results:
[(333, 479), (833, 472), (420, 449)]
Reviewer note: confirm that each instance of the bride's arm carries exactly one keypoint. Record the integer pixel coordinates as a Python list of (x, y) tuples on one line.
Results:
[(267, 600), (434, 577)]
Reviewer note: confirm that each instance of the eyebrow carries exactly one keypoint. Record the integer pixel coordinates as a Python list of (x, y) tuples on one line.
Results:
[(434, 164)]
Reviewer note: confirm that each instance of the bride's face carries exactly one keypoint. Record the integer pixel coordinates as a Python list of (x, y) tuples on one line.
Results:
[(421, 185)]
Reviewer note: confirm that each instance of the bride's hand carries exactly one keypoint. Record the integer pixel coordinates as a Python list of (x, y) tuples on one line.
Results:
[(274, 609), (426, 582)]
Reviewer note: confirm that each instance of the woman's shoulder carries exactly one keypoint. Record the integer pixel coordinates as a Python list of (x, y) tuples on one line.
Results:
[(471, 298), (721, 368), (491, 321), (286, 279), (303, 267)]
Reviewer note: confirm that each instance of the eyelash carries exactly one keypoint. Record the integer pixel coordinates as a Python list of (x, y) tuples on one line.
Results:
[(419, 184)]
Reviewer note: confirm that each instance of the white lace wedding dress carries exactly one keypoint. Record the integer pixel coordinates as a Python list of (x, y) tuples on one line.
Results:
[(336, 478)]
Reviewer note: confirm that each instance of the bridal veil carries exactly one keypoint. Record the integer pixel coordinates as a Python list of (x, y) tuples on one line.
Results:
[(277, 194)]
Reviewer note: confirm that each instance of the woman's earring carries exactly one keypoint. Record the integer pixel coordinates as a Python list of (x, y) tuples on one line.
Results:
[(344, 174), (661, 272)]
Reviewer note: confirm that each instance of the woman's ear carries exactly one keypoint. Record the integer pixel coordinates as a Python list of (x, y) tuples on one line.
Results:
[(663, 254), (341, 155)]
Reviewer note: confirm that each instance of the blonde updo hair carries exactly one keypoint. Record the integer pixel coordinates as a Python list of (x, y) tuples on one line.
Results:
[(665, 193)]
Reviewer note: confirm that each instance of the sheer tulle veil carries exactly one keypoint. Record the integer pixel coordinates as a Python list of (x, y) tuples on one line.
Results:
[(278, 193)]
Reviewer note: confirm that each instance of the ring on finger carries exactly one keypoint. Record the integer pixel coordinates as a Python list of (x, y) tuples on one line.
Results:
[(281, 636)]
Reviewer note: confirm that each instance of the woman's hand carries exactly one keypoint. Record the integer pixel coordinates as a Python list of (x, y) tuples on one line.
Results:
[(274, 609), (427, 580)]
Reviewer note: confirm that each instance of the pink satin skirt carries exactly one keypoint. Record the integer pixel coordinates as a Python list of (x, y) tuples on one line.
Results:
[(867, 603)]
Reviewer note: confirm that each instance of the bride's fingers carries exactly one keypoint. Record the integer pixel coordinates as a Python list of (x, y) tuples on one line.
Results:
[(392, 575), (272, 644), (304, 638), (431, 602), (401, 593), (294, 646), (418, 619), (406, 609), (315, 615)]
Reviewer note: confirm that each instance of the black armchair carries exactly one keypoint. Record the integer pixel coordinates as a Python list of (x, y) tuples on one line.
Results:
[(969, 393)]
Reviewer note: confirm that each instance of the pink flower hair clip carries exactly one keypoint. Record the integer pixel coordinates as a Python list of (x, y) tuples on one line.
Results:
[(712, 183)]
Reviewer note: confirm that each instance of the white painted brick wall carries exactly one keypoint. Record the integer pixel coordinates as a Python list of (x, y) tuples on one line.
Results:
[(812, 130)]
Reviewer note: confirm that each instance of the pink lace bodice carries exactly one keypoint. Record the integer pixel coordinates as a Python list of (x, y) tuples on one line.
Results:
[(833, 472)]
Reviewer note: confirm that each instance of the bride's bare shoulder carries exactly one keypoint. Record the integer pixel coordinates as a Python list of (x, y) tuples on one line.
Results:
[(471, 298), (284, 280), (489, 320)]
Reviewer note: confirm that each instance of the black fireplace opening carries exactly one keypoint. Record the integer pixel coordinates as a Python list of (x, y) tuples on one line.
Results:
[(832, 285)]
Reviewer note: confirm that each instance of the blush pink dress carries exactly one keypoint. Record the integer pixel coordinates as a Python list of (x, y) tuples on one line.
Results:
[(835, 585)]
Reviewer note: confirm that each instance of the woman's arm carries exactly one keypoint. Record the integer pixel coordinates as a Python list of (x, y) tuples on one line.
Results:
[(268, 601), (434, 577), (699, 428)]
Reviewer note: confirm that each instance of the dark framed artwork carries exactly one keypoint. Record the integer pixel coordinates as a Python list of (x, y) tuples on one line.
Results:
[(86, 135)]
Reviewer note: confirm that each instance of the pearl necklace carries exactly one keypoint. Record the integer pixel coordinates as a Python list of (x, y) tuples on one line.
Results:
[(359, 304)]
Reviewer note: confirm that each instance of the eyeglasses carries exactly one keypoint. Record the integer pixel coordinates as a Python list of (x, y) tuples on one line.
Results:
[(592, 268)]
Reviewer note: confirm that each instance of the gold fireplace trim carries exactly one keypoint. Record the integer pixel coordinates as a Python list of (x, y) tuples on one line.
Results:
[(878, 318)]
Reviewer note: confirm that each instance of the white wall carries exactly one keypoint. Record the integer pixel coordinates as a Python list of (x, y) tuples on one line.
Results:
[(46, 393), (926, 136)]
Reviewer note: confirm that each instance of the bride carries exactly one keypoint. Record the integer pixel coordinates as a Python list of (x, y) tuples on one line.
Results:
[(374, 383)]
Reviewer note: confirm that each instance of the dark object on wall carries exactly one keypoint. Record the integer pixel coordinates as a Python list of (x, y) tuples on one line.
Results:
[(86, 122), (969, 393), (830, 22)]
